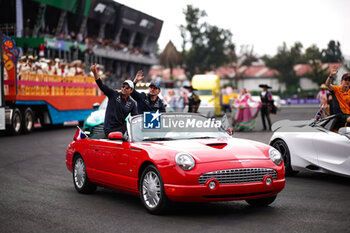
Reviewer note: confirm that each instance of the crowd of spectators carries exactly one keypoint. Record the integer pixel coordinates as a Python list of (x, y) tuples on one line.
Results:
[(92, 42), (31, 64)]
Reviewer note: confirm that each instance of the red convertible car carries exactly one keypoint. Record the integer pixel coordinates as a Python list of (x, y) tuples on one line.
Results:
[(187, 158)]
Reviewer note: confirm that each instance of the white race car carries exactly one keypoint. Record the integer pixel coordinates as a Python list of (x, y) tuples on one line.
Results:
[(313, 145)]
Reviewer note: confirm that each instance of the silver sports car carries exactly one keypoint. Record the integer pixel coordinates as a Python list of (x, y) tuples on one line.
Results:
[(313, 145)]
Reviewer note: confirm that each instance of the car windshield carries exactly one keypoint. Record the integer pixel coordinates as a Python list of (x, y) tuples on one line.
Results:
[(204, 92), (103, 104), (327, 123), (174, 126)]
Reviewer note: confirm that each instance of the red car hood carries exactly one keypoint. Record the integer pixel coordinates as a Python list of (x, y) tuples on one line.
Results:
[(209, 150)]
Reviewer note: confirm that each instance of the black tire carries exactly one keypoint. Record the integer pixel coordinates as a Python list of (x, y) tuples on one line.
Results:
[(261, 201), (80, 179), (16, 122), (152, 191), (282, 147), (28, 121)]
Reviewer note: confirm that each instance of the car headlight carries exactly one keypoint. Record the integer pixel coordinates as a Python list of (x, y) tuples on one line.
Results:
[(185, 161), (275, 156), (91, 120)]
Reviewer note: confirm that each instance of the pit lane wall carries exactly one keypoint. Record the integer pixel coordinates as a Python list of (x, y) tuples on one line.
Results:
[(44, 98)]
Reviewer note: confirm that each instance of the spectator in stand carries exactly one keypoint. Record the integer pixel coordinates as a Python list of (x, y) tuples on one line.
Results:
[(27, 30), (80, 37), (41, 50), (341, 97), (148, 102), (82, 68), (119, 105), (47, 29), (51, 67), (30, 62), (75, 68), (62, 70)]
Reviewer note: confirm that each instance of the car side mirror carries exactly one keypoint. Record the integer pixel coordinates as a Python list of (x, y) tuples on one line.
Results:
[(344, 131), (95, 106), (115, 136)]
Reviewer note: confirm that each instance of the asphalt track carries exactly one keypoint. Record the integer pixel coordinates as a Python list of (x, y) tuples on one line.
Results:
[(37, 195)]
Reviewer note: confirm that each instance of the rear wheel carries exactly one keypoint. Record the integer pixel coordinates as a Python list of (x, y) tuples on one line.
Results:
[(80, 179), (261, 201), (152, 191), (28, 120), (16, 122), (282, 147)]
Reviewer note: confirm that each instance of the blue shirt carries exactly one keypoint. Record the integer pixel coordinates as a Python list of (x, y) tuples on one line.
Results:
[(145, 104), (118, 107)]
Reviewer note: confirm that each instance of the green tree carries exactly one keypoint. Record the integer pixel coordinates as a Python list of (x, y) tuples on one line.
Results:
[(284, 62), (313, 53), (314, 57), (297, 53), (193, 34), (333, 52), (205, 47), (317, 73), (170, 57), (218, 41), (245, 57)]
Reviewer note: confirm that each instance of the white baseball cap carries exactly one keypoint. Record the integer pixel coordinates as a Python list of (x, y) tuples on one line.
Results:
[(130, 83)]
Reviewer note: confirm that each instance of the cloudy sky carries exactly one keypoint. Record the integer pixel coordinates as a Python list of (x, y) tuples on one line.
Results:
[(264, 24)]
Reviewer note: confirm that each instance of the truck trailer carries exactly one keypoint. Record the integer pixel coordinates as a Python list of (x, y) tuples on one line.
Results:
[(41, 98)]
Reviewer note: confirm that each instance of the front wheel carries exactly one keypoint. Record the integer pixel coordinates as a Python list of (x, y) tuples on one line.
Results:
[(282, 147), (152, 191), (80, 179), (261, 201)]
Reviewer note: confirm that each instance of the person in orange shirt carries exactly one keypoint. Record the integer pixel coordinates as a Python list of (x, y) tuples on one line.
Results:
[(342, 94)]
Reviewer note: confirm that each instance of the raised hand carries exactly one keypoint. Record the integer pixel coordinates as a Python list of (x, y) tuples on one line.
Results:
[(334, 71), (139, 76), (93, 69)]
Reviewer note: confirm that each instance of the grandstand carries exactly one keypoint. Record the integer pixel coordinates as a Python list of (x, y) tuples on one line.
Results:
[(116, 36)]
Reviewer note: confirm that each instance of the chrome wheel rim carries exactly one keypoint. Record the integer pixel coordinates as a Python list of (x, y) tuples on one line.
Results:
[(29, 121), (151, 189), (79, 173), (17, 123)]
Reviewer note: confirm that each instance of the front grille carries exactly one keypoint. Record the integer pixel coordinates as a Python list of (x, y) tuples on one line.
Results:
[(240, 175)]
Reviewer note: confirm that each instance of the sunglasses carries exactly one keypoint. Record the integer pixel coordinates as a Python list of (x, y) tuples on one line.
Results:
[(126, 87)]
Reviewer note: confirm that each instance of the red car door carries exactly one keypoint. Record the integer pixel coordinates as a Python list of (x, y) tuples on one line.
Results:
[(111, 161)]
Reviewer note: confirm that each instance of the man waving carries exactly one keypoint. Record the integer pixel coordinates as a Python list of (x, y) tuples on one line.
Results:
[(148, 102)]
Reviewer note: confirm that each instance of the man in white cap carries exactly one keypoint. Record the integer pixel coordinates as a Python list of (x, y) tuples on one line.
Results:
[(119, 105)]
